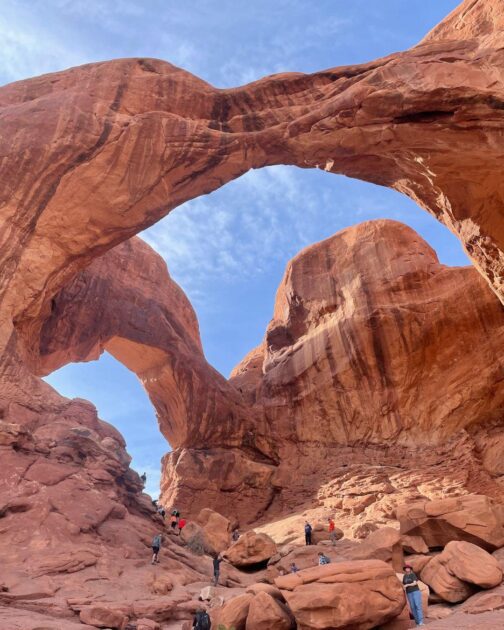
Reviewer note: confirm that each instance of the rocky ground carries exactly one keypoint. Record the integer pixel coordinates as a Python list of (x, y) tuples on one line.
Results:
[(376, 396), (115, 586)]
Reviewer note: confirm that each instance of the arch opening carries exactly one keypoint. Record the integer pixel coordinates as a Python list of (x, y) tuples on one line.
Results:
[(120, 400)]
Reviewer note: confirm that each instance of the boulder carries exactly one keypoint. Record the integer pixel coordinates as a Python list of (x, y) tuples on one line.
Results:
[(417, 562), (471, 564), (363, 530), (267, 613), (234, 612), (358, 594), (456, 572), (261, 587), (414, 544), (472, 518), (251, 549), (383, 544), (103, 617), (147, 624), (216, 530)]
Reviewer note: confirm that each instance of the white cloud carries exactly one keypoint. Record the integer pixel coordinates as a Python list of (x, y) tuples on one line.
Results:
[(29, 50), (237, 232)]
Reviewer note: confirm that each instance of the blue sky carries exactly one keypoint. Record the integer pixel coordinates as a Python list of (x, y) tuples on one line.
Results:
[(227, 250)]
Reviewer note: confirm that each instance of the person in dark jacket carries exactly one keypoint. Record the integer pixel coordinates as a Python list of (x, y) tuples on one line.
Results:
[(156, 546), (201, 620), (216, 568), (410, 583), (307, 532)]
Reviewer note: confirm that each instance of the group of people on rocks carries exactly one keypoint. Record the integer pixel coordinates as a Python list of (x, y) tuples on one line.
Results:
[(308, 529), (202, 620), (176, 523)]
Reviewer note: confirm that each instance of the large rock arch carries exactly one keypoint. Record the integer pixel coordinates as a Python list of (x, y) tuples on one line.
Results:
[(92, 155)]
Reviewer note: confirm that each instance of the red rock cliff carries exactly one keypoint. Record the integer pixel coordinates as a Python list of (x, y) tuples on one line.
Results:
[(372, 341)]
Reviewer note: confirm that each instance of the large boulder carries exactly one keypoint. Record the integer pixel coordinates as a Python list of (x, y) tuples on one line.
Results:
[(383, 544), (233, 614), (251, 549), (102, 616), (414, 544), (456, 573), (357, 594), (209, 534), (473, 518), (216, 529), (267, 613)]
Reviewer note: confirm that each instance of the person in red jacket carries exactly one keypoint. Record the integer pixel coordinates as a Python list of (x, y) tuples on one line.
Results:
[(332, 531), (181, 524)]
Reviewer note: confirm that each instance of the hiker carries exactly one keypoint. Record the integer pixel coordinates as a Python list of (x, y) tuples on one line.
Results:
[(293, 568), (156, 546), (235, 535), (181, 524), (143, 478), (216, 568), (307, 533), (410, 584), (332, 531), (323, 559), (173, 520), (201, 620), (161, 511)]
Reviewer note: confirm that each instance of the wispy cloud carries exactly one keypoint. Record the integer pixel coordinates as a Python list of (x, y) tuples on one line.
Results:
[(239, 231), (29, 49)]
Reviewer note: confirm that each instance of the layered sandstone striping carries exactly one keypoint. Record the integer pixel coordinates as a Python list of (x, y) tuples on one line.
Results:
[(93, 155), (372, 341)]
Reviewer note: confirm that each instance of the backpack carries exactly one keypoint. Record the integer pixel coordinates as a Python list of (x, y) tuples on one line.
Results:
[(202, 621)]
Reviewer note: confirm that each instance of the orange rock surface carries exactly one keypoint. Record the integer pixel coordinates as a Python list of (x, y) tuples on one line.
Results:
[(375, 352), (361, 594)]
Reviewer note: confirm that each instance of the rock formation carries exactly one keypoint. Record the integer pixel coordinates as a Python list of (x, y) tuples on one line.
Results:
[(373, 343)]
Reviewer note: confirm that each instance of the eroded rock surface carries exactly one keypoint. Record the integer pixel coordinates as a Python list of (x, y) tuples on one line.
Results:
[(93, 155)]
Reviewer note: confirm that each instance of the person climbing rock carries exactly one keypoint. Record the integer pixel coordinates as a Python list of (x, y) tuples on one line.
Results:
[(156, 546), (332, 531), (410, 583), (161, 511), (307, 533), (143, 478), (174, 520), (181, 524), (216, 568), (201, 620), (323, 559), (293, 568), (235, 535)]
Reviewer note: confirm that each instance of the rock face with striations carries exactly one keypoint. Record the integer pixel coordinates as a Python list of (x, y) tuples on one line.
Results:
[(372, 341), (368, 328)]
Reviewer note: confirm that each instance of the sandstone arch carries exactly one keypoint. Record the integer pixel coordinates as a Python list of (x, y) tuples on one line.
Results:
[(92, 155), (126, 303)]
